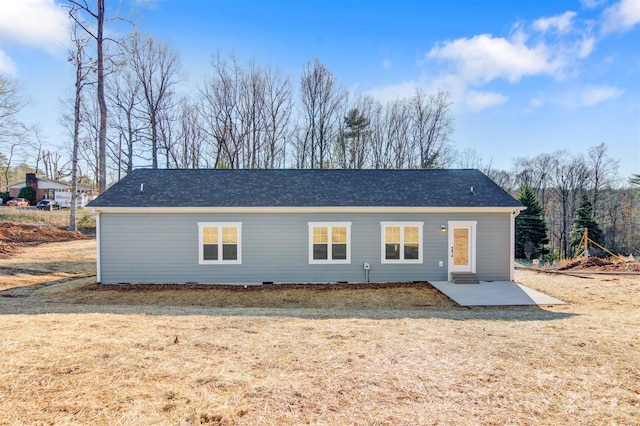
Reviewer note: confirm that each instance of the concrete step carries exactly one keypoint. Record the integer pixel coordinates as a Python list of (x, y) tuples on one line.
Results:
[(464, 278)]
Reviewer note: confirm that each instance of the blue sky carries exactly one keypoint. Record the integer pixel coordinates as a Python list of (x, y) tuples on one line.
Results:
[(526, 77)]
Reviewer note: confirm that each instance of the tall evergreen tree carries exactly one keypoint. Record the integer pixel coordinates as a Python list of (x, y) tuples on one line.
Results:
[(584, 219), (531, 227), (353, 142)]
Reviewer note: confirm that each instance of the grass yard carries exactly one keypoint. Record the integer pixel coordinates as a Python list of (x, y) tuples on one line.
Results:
[(404, 355)]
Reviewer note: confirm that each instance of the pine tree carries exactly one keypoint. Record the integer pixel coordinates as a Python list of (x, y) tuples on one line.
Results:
[(531, 227), (353, 143), (584, 219)]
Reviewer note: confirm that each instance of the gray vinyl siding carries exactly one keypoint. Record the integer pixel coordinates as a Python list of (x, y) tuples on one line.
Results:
[(493, 248), (163, 248)]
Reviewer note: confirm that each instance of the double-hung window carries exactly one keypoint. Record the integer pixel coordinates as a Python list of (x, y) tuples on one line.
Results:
[(401, 242), (220, 242), (329, 242)]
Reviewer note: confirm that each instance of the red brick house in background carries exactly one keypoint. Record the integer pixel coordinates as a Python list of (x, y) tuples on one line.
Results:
[(44, 188), (50, 189)]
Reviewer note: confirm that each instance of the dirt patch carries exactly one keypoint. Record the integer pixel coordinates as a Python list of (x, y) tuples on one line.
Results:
[(295, 296), (34, 266), (15, 236), (601, 265), (254, 288)]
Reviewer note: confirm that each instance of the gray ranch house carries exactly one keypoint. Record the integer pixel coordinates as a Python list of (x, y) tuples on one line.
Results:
[(303, 226)]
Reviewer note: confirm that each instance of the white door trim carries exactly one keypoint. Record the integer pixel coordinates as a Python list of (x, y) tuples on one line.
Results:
[(471, 225)]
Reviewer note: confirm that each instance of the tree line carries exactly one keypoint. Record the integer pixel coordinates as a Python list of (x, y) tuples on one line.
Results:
[(251, 116), (565, 185), (131, 107)]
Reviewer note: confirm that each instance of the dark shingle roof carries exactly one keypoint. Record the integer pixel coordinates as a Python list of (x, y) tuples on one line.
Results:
[(305, 188)]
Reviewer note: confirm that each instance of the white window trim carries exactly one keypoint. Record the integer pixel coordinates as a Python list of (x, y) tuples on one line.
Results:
[(329, 225), (219, 225), (402, 225)]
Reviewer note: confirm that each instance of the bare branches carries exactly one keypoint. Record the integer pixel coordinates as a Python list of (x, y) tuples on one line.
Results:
[(93, 26), (12, 129), (321, 99), (431, 128), (155, 69), (246, 114), (10, 107), (561, 178)]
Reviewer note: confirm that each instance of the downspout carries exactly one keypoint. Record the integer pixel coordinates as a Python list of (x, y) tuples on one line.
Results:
[(512, 242), (98, 262)]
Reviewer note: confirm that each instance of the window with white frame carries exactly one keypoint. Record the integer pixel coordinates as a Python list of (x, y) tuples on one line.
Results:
[(329, 242), (401, 242), (220, 242)]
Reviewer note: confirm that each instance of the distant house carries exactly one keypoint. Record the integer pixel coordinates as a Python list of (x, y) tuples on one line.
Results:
[(44, 188), (54, 190), (303, 226)]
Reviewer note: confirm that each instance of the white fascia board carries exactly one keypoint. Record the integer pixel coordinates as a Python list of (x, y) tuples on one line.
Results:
[(42, 184), (221, 210)]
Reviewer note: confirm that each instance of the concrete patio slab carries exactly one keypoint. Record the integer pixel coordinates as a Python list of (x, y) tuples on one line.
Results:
[(494, 293)]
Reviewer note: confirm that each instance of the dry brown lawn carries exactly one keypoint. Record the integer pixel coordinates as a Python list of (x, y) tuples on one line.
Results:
[(404, 355)]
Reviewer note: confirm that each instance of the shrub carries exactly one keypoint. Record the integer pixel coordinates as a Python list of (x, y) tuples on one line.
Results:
[(86, 222), (29, 193)]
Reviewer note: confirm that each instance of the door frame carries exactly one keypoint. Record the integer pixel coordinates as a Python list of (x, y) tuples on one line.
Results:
[(471, 225)]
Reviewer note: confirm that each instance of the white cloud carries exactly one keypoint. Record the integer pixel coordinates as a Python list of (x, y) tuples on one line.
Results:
[(476, 101), (483, 58), (536, 103), (471, 69), (621, 16), (586, 46), (588, 96), (592, 4), (39, 23), (561, 23), (151, 4), (595, 95), (6, 64), (395, 91)]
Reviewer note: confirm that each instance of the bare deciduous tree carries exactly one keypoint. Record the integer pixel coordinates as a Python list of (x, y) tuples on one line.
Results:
[(569, 175), (397, 130), (276, 118), (602, 171), (221, 111), (82, 71), (431, 128), (124, 97), (246, 113), (12, 129), (95, 30), (321, 98), (157, 70), (10, 107), (189, 144), (55, 165)]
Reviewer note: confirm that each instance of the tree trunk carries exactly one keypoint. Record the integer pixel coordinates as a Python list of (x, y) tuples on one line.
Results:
[(102, 104), (76, 138)]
